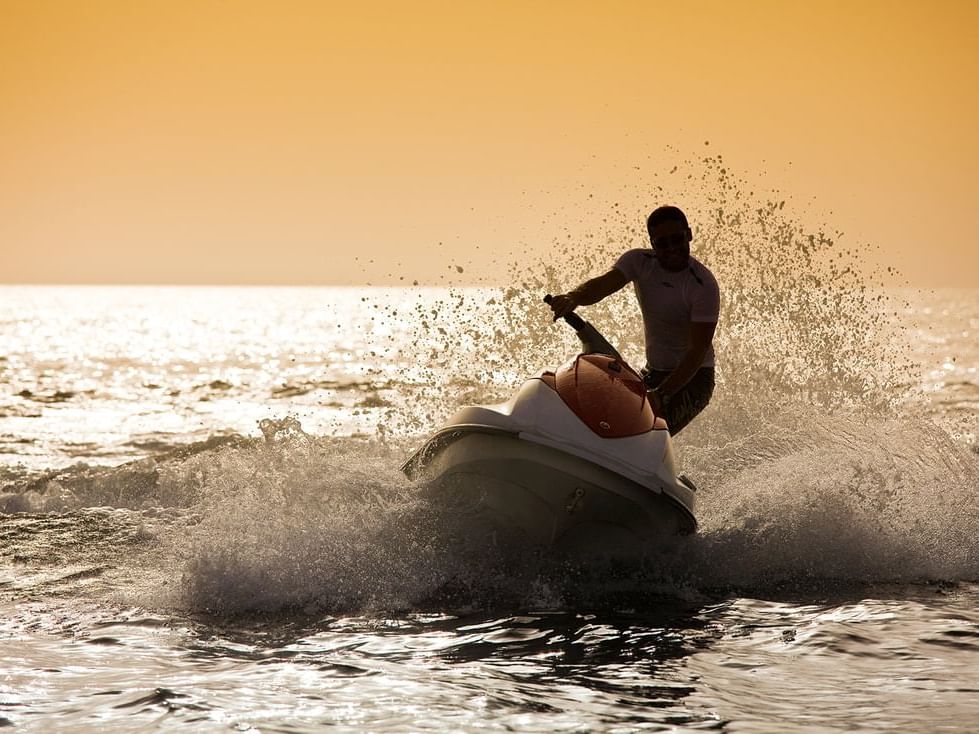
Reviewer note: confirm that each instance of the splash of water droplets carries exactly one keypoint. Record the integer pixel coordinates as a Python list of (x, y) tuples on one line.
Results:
[(801, 320)]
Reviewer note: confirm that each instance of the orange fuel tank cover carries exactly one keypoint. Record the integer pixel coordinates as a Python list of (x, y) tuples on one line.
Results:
[(606, 394)]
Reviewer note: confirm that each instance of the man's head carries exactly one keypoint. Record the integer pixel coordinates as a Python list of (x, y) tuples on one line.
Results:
[(670, 236)]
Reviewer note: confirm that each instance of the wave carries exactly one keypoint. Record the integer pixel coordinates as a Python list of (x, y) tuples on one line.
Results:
[(293, 521), (135, 485), (836, 495), (806, 500)]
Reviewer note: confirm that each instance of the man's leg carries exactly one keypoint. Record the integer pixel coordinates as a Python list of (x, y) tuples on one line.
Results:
[(692, 398)]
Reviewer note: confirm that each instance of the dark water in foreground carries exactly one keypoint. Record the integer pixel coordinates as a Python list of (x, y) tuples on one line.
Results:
[(885, 659)]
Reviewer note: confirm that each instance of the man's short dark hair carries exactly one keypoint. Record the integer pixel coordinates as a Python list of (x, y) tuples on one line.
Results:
[(665, 214)]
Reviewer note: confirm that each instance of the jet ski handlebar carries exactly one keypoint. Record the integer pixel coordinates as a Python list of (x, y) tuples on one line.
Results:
[(576, 322), (591, 341)]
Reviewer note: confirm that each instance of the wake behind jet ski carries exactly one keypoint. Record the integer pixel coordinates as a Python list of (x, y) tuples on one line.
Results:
[(575, 459)]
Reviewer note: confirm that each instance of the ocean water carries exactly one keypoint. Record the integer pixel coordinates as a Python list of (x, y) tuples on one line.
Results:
[(203, 525)]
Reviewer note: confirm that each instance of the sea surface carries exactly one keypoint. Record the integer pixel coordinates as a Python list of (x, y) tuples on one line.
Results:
[(203, 525)]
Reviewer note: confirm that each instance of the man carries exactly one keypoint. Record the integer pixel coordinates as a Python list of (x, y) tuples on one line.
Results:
[(680, 301)]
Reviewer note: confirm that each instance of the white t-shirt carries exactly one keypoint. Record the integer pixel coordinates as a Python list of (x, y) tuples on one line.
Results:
[(669, 303)]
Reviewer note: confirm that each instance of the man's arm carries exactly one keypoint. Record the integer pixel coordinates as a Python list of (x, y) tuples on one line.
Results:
[(701, 335), (589, 292)]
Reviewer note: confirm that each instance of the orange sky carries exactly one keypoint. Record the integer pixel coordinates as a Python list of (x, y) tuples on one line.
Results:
[(275, 142)]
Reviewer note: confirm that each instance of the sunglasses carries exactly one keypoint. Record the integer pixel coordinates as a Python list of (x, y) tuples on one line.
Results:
[(676, 239)]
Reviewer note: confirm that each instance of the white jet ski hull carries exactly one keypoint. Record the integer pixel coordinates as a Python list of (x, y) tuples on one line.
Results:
[(553, 498)]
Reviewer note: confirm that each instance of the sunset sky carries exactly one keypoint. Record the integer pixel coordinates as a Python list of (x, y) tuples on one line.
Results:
[(295, 142)]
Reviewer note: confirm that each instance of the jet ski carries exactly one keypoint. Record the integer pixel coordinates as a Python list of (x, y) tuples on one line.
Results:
[(575, 460)]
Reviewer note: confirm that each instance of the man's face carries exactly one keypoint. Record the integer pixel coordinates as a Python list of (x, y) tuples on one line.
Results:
[(671, 245)]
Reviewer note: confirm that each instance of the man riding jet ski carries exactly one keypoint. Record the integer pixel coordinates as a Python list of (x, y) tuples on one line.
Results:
[(576, 459), (680, 301)]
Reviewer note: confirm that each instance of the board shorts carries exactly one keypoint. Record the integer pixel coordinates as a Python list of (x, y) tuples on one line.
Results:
[(692, 398)]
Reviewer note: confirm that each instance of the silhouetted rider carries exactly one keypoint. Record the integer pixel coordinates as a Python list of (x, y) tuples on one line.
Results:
[(680, 301)]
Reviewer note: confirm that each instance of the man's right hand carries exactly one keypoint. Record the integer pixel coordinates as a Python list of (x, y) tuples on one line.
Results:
[(563, 305), (589, 292)]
